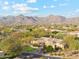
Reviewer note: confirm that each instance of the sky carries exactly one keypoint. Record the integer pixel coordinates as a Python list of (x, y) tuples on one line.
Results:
[(67, 8)]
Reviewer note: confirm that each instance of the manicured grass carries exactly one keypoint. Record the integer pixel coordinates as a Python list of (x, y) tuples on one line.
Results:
[(28, 49)]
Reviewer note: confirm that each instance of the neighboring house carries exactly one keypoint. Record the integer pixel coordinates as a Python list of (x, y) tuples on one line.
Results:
[(2, 54), (74, 33), (17, 58), (52, 30), (49, 41)]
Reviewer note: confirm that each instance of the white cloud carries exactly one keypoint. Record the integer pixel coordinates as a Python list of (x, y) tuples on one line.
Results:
[(20, 7), (23, 8), (74, 12), (44, 6), (30, 8), (31, 1), (77, 10), (5, 7), (6, 3), (52, 6)]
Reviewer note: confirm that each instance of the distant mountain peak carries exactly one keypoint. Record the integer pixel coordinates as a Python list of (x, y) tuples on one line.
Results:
[(21, 19)]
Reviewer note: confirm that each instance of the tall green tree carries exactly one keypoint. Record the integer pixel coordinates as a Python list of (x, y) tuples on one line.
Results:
[(11, 47)]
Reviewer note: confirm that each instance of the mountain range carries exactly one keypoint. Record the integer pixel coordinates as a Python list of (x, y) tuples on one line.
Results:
[(30, 20)]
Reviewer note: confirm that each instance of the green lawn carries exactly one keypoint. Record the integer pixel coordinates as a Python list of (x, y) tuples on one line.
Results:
[(29, 49)]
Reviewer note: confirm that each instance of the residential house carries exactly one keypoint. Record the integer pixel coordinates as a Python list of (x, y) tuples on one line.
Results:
[(49, 41), (76, 33), (2, 54)]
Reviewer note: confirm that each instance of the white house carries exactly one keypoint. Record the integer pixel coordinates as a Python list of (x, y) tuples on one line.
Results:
[(49, 41), (74, 33), (2, 54)]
